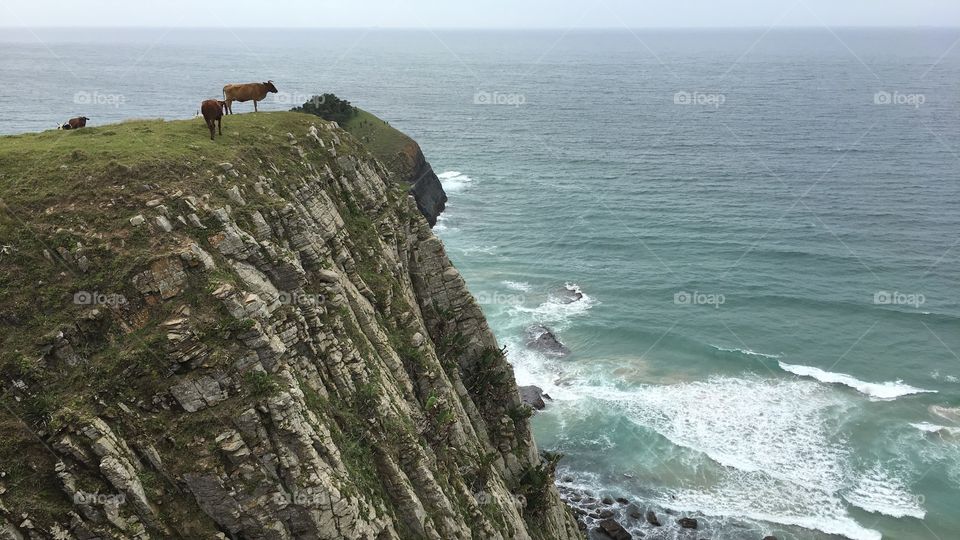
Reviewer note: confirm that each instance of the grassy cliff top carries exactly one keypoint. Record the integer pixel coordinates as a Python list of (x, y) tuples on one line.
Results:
[(99, 162), (67, 195), (390, 146)]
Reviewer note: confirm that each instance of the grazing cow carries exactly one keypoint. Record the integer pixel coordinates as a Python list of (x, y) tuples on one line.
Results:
[(246, 92), (212, 110), (75, 123)]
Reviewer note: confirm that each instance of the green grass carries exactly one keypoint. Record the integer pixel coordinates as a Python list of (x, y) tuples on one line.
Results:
[(393, 148), (62, 189)]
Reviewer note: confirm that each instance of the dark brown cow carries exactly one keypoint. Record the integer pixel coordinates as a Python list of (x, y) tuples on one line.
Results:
[(246, 92), (212, 111), (75, 123)]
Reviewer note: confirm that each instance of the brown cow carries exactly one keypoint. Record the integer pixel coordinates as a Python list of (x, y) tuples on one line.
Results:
[(246, 92), (75, 123), (212, 111)]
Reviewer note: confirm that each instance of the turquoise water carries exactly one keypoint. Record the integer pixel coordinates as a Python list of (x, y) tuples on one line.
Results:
[(788, 202)]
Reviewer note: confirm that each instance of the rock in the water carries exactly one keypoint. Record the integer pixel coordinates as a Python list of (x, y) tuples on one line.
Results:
[(651, 517), (532, 396), (540, 338), (770, 537), (614, 530), (570, 294), (687, 523)]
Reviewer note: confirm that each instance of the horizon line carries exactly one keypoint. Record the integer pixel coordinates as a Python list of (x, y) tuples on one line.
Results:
[(488, 28)]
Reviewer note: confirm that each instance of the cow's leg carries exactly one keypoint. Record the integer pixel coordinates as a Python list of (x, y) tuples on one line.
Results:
[(226, 106), (254, 105), (210, 127), (220, 126)]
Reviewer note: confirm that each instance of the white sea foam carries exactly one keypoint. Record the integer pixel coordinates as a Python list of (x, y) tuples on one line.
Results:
[(558, 309), (947, 413), (880, 492), (521, 286), (777, 442), (880, 391), (752, 425), (754, 497), (489, 250), (453, 181), (949, 378), (928, 427), (747, 352)]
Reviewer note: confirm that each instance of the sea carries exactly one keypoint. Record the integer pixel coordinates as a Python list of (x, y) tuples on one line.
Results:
[(748, 239)]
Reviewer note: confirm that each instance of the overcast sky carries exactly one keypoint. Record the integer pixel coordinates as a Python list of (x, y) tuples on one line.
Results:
[(480, 13)]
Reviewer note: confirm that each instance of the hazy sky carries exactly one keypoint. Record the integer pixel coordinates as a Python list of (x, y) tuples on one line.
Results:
[(480, 13)]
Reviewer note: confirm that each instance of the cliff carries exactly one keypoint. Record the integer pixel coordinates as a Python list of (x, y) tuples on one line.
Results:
[(257, 337), (403, 159)]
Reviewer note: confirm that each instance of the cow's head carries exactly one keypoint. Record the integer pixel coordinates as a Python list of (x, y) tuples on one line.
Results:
[(84, 118), (270, 87)]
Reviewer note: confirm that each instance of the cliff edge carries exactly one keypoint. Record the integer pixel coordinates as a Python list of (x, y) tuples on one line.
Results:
[(403, 159), (257, 337)]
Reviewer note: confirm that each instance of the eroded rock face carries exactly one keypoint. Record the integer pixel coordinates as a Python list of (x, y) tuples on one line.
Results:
[(317, 369)]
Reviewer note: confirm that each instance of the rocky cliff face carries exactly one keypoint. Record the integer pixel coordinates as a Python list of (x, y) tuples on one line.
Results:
[(276, 347), (426, 187)]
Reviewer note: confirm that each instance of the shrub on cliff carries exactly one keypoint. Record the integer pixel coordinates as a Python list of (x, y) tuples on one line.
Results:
[(328, 107)]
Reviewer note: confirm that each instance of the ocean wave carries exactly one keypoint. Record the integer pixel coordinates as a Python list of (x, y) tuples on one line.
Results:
[(948, 378), (453, 181), (878, 391), (558, 309), (928, 427), (776, 442), (947, 413), (880, 492), (488, 250), (521, 286), (747, 352)]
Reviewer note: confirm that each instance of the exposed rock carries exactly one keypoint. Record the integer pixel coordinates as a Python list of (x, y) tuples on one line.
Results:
[(310, 366), (137, 220), (614, 530), (532, 396), (163, 223), (652, 519), (234, 194), (569, 294), (687, 523), (540, 338)]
